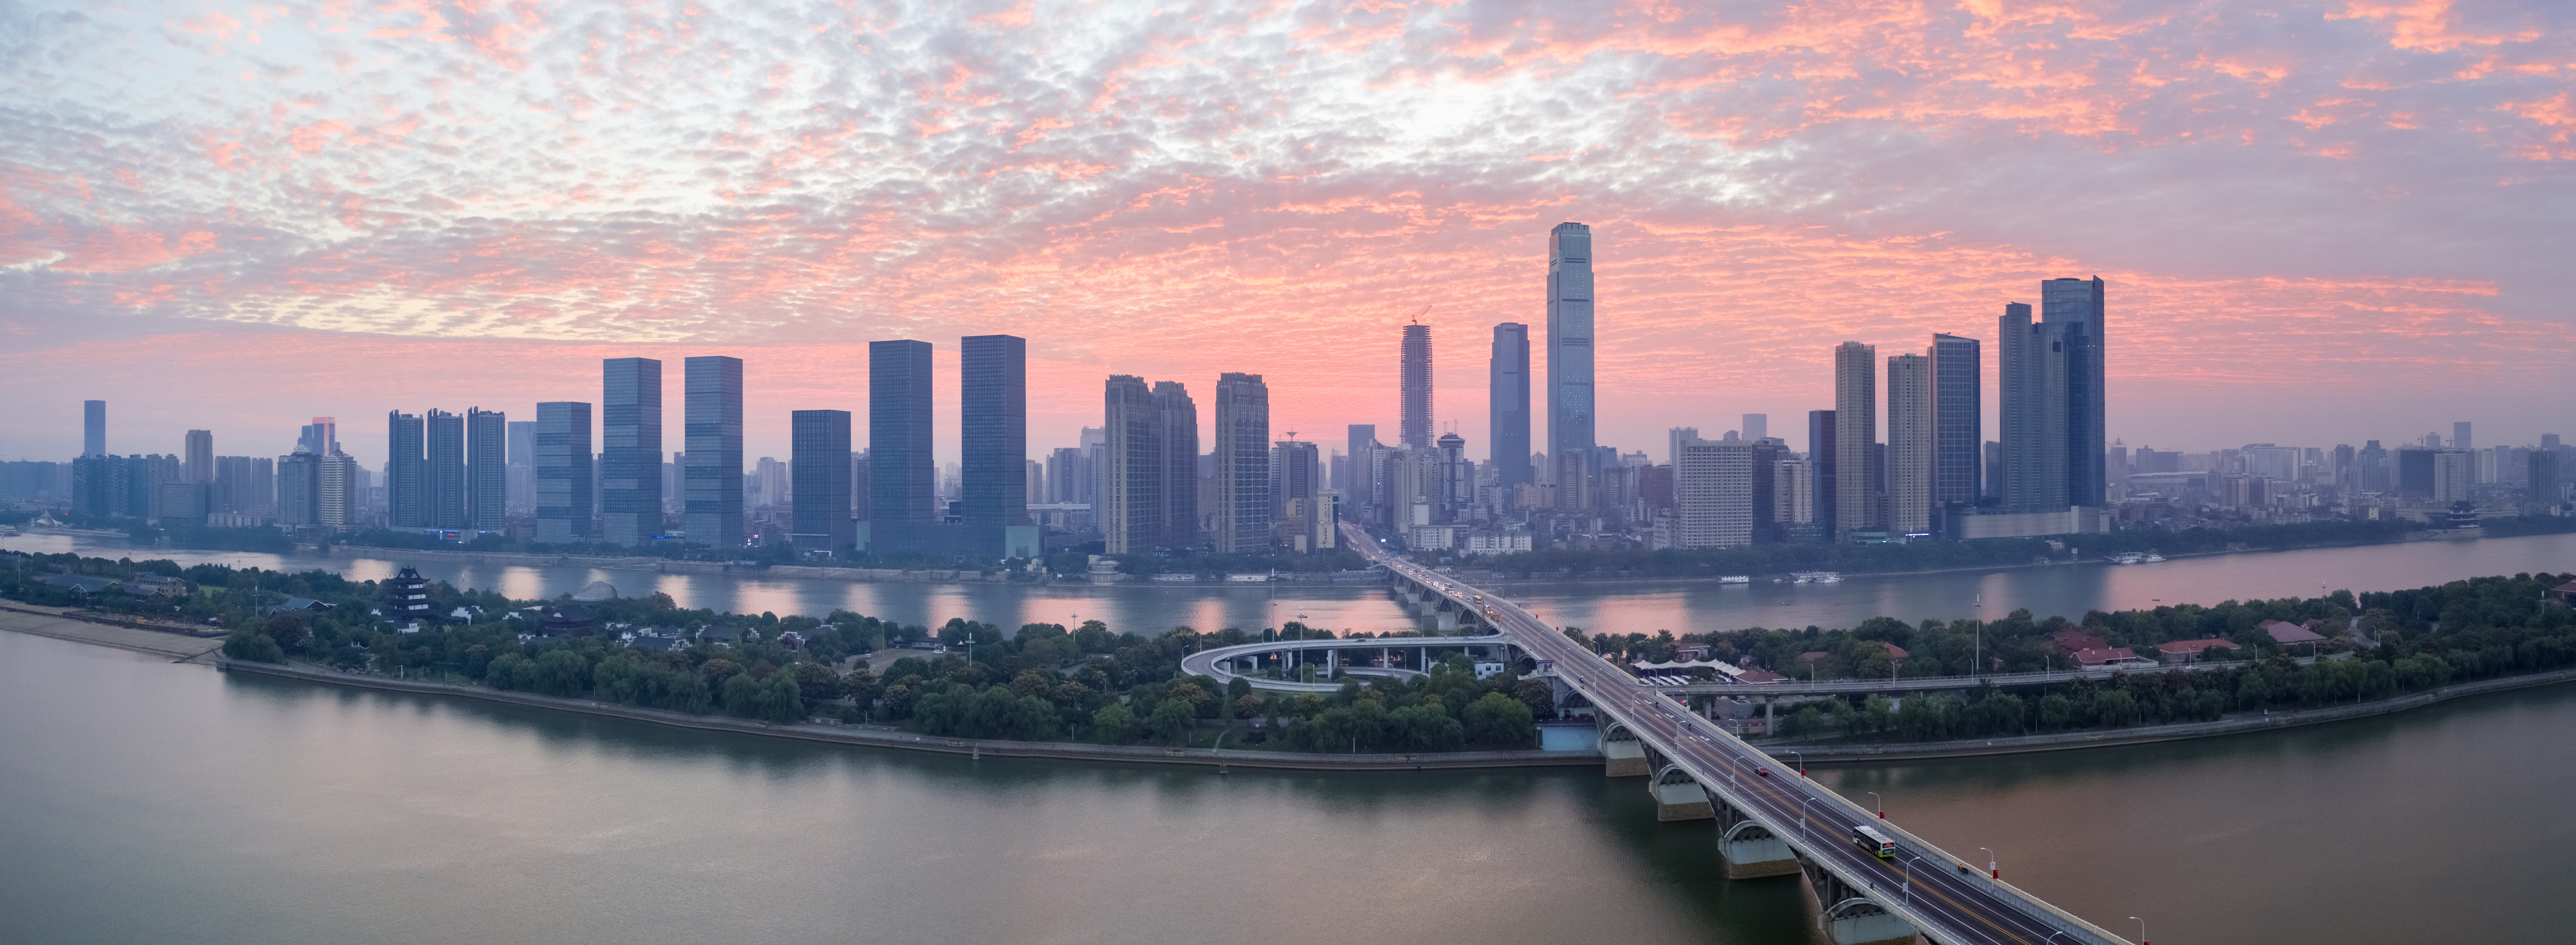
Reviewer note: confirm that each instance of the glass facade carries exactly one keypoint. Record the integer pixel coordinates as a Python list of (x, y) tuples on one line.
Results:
[(630, 450), (820, 472), (563, 471), (713, 490)]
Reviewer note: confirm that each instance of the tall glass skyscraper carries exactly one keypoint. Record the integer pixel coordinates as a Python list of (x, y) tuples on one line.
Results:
[(1910, 440), (1414, 373), (1508, 386), (1958, 420), (1242, 464), (901, 478), (993, 429), (1131, 496), (406, 489), (2031, 379), (487, 469), (820, 470), (446, 470), (2073, 307), (1859, 481), (713, 490), (1178, 418), (1570, 392), (93, 428), (563, 471), (630, 450)]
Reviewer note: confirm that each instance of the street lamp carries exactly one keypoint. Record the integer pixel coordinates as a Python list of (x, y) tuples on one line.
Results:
[(1802, 764), (2142, 930), (1803, 828), (1882, 804), (1992, 871), (1909, 880)]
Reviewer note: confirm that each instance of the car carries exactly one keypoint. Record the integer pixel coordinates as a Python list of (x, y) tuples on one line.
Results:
[(1765, 772)]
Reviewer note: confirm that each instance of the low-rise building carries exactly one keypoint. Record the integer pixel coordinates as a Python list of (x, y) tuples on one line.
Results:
[(2181, 652), (2110, 658)]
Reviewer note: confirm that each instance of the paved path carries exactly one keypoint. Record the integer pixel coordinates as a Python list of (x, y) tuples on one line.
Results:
[(40, 622)]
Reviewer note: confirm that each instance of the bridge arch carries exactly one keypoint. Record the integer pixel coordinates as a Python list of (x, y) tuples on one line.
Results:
[(1746, 831), (1679, 796)]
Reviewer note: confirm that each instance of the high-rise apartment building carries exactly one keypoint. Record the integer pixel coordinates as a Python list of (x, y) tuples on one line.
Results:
[(299, 490), (1911, 449), (2371, 469), (343, 493), (1508, 403), (1856, 498), (1298, 485), (630, 450), (1713, 494), (1366, 491), (993, 399), (1178, 434), (1457, 478), (1823, 440), (2031, 382), (713, 489), (1673, 440), (1132, 500), (487, 469), (820, 468), (2460, 435), (406, 472), (2074, 309), (1242, 464), (198, 460), (1757, 426), (93, 428), (564, 474), (1570, 352), (444, 469), (2544, 482), (901, 474), (1414, 370), (1958, 421), (1793, 495), (2452, 476), (523, 467), (245, 485)]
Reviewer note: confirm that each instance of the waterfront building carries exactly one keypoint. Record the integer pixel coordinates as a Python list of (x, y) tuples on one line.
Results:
[(1856, 498), (1793, 496), (522, 497), (1414, 373), (406, 472), (1570, 353), (901, 477), (1823, 439), (563, 472), (2460, 435), (93, 428), (444, 470), (1713, 494), (993, 398), (1457, 478), (1298, 486), (1757, 426), (2451, 476), (992, 519), (343, 493), (487, 469), (1958, 420), (2414, 472), (299, 490), (2031, 410), (1242, 464), (1132, 502), (1365, 490), (820, 467), (1177, 436), (1910, 444), (320, 438), (630, 450), (2074, 309), (197, 462), (245, 485), (712, 491), (1508, 403)]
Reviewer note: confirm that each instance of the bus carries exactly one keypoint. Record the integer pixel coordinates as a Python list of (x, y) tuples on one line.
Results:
[(1875, 842)]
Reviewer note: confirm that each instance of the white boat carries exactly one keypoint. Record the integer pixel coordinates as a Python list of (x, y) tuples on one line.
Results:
[(1736, 579), (1816, 577), (2127, 557), (2152, 558)]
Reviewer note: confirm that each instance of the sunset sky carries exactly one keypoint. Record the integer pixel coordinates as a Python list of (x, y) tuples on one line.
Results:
[(2320, 222)]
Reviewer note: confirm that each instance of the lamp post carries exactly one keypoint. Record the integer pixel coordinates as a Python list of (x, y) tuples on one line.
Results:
[(1802, 764), (1909, 879), (1992, 871), (2142, 930), (1882, 804), (1803, 829)]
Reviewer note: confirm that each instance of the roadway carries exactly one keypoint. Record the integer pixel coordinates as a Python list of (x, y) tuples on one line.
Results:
[(1924, 884)]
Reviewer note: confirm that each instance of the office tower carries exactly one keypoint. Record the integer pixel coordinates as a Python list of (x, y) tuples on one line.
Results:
[(487, 469), (563, 471), (1910, 444), (2073, 308), (2451, 476), (901, 478), (1037, 493), (1673, 440), (1508, 402), (1958, 420), (320, 438), (1177, 433), (1242, 464), (1069, 476), (343, 491), (199, 462), (1856, 499), (1757, 426), (523, 467), (713, 489), (1569, 360), (1713, 494), (2031, 381), (1297, 485), (767, 486), (444, 470), (93, 428), (630, 449), (1414, 430), (2266, 461), (2543, 486), (2460, 435), (299, 490), (406, 471), (244, 485), (1132, 498), (2370, 468), (993, 400), (2414, 471), (1793, 495), (1457, 477), (1993, 452), (1365, 490), (2341, 474), (821, 490), (1823, 439)]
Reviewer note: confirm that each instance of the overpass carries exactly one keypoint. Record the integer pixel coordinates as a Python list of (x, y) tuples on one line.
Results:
[(1772, 823)]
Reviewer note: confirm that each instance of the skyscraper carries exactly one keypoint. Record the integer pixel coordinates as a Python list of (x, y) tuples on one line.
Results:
[(1297, 485), (197, 464), (342, 492), (1366, 488), (487, 469), (1826, 489), (1177, 433), (445, 470), (820, 468), (1415, 372), (523, 466), (2074, 308), (1508, 400), (563, 471), (1132, 500), (2031, 379), (2460, 435), (630, 450), (714, 417), (93, 428), (1713, 494), (1242, 464), (1958, 420), (1911, 441), (1856, 502), (993, 401), (900, 474), (406, 469), (1569, 360), (1757, 426), (1673, 440), (320, 438), (299, 490)]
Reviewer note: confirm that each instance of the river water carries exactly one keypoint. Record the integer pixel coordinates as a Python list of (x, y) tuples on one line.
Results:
[(148, 801)]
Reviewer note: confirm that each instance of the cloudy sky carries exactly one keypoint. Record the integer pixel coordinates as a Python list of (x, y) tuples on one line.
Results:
[(2320, 221)]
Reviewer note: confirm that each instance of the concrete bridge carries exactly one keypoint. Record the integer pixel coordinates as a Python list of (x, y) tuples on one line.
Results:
[(1773, 822), (1394, 657)]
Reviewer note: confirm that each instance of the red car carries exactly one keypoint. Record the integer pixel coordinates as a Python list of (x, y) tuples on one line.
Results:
[(1765, 772)]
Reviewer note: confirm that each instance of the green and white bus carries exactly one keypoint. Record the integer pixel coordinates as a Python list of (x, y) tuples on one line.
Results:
[(1876, 843)]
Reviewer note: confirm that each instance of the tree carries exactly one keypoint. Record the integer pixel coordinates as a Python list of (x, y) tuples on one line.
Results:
[(1498, 721), (815, 681), (741, 694), (1114, 723), (246, 645), (1249, 705), (1172, 720), (285, 628)]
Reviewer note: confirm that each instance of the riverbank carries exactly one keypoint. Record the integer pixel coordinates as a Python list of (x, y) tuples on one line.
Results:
[(64, 623)]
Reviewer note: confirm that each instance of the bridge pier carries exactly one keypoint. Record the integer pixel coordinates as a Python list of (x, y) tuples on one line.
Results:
[(1678, 796), (1846, 915), (1622, 755)]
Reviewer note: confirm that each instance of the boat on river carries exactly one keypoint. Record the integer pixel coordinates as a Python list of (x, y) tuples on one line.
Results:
[(1813, 577)]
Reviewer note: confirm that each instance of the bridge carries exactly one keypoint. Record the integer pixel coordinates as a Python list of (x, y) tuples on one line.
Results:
[(1772, 822)]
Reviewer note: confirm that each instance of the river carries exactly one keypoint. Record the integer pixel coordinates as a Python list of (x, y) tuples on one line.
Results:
[(1643, 607)]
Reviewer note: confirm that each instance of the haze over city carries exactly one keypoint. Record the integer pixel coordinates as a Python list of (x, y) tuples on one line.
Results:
[(2321, 223)]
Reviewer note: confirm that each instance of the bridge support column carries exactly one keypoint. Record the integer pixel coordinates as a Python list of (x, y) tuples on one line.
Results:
[(1751, 850), (1678, 796), (1846, 914), (1622, 755)]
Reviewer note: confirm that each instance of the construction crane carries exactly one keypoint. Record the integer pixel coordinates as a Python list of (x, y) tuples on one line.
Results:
[(1417, 316)]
